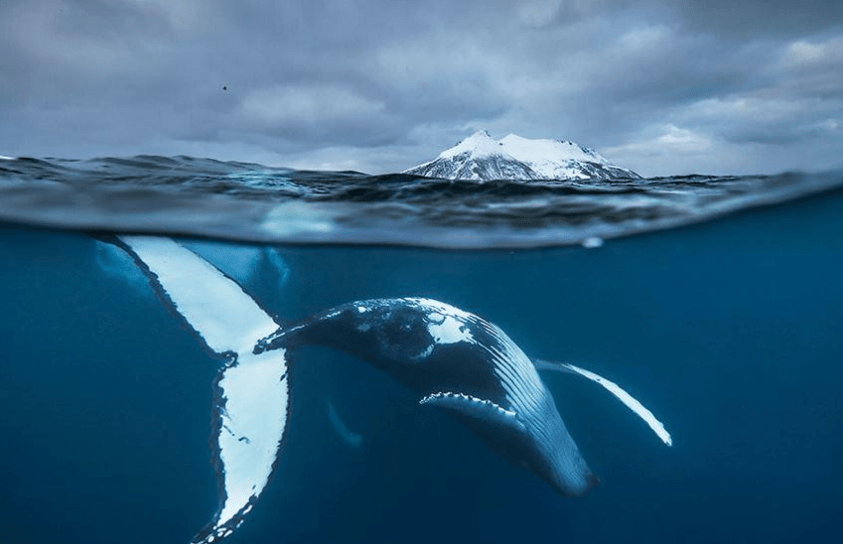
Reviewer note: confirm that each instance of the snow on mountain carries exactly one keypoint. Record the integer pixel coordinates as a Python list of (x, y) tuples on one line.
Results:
[(481, 158), (479, 144)]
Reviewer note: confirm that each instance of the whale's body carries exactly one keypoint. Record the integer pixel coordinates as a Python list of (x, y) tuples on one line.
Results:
[(461, 362), (451, 358)]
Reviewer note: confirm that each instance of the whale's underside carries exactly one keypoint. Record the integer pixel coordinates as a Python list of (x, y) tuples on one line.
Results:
[(453, 359)]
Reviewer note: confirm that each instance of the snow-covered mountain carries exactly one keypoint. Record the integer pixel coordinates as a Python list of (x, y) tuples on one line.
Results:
[(480, 158)]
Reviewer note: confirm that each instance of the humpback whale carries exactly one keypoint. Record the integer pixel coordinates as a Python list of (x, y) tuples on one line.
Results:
[(452, 359)]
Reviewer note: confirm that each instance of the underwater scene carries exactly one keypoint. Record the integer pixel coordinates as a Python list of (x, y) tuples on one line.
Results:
[(204, 351)]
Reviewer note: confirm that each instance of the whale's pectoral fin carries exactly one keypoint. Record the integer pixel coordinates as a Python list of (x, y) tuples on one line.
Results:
[(613, 388), (250, 414), (484, 411), (250, 421), (215, 307)]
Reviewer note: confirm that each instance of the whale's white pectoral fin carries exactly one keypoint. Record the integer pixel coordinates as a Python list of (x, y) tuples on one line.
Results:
[(251, 411), (214, 305), (613, 388), (252, 391), (473, 407)]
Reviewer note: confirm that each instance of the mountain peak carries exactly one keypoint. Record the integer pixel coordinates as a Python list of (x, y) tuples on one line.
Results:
[(479, 144), (481, 134), (481, 158)]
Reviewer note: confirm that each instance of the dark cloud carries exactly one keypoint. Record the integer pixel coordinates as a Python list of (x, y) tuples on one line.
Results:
[(754, 19), (379, 85)]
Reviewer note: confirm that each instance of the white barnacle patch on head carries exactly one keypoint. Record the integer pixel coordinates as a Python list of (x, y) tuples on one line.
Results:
[(445, 323), (446, 329), (362, 309)]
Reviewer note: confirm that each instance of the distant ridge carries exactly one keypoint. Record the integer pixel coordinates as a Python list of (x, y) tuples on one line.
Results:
[(481, 158)]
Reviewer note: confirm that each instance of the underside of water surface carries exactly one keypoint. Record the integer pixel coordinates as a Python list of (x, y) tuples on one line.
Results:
[(255, 203)]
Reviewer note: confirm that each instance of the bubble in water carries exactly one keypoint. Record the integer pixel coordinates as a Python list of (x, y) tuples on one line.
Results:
[(592, 242)]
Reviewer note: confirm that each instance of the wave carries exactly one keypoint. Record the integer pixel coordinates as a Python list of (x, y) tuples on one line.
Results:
[(254, 203)]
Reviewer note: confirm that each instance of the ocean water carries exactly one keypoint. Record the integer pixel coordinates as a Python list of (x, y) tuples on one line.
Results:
[(717, 302)]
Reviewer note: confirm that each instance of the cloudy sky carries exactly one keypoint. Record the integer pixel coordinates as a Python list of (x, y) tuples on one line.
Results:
[(659, 86)]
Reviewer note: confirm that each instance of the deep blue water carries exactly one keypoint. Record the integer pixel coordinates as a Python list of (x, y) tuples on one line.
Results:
[(730, 330)]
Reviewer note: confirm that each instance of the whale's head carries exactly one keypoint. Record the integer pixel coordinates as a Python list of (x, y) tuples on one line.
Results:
[(389, 333)]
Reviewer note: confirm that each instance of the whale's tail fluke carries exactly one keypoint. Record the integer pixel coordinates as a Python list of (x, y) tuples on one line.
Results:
[(251, 407), (613, 388)]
